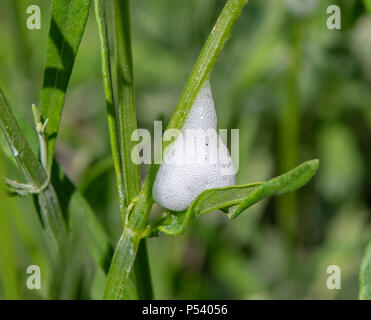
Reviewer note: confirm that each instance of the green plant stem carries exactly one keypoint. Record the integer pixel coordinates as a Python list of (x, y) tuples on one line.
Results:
[(138, 215), (365, 275), (127, 126), (287, 205), (127, 247), (49, 208), (108, 89), (125, 91), (143, 272), (74, 205)]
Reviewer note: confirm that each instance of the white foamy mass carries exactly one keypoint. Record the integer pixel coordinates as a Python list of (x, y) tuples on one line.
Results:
[(198, 160)]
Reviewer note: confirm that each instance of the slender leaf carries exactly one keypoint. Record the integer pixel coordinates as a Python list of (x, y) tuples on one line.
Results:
[(81, 219), (122, 263), (51, 214), (125, 89), (21, 151), (67, 25), (236, 199), (365, 276), (207, 201), (288, 182), (99, 6), (81, 215), (126, 119)]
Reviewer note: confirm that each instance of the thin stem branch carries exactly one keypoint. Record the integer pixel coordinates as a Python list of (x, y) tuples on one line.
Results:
[(128, 126), (51, 214), (121, 130)]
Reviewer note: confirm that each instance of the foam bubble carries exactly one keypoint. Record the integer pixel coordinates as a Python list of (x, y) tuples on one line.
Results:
[(199, 160)]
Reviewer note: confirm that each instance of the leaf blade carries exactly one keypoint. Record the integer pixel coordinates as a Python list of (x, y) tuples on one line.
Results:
[(67, 26), (50, 212), (365, 275), (100, 15), (71, 200), (285, 183), (126, 108), (207, 201), (238, 198)]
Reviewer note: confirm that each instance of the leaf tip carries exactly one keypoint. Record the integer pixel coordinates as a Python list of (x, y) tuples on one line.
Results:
[(314, 164)]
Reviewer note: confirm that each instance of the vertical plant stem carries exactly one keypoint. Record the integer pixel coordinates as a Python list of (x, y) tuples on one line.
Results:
[(288, 137), (127, 248), (128, 125), (143, 272), (125, 92), (99, 6)]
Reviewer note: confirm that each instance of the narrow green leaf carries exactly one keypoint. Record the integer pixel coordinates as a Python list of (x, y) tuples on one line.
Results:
[(288, 182), (99, 6), (67, 24), (71, 202), (21, 151), (207, 201), (126, 124), (122, 263), (125, 91), (53, 223), (236, 199), (81, 219), (51, 215), (365, 276), (76, 208)]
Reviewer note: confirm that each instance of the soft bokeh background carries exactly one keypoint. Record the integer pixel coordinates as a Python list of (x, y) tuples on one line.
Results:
[(296, 91)]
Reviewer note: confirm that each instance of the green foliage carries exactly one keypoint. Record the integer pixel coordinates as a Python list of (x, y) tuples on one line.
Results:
[(294, 89), (67, 26), (113, 124), (365, 276), (288, 182), (49, 209), (139, 209), (236, 199)]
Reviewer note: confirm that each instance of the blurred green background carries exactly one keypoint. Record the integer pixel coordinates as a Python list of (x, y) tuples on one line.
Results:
[(294, 88)]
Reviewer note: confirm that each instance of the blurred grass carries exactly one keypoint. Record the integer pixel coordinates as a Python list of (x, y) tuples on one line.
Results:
[(252, 83)]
